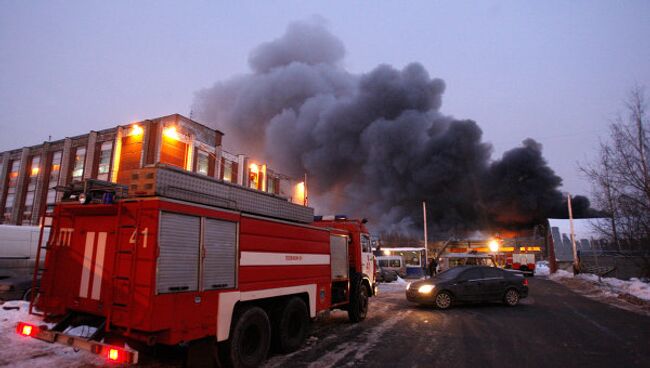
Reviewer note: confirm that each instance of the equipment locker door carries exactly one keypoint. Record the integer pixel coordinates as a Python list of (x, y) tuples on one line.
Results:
[(178, 261), (219, 254)]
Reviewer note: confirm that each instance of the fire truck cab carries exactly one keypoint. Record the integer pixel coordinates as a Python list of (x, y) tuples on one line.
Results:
[(158, 270)]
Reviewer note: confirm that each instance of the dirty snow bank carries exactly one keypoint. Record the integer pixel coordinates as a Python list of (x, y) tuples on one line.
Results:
[(634, 287), (395, 286), (19, 351), (542, 270)]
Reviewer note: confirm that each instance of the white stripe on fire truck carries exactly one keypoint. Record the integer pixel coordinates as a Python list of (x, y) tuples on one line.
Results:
[(282, 259), (85, 270), (99, 266)]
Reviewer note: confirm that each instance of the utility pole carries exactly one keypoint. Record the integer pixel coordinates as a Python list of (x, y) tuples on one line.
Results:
[(305, 201), (426, 247), (576, 265)]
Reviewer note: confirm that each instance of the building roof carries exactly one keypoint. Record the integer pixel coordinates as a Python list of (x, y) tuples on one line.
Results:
[(107, 130)]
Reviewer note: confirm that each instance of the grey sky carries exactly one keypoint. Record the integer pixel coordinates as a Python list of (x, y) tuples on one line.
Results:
[(554, 71)]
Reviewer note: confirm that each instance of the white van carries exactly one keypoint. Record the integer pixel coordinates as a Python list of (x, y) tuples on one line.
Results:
[(392, 263), (18, 246)]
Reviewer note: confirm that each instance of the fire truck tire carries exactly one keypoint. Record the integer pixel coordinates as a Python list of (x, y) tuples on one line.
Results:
[(291, 325), (250, 338), (511, 297), (358, 308)]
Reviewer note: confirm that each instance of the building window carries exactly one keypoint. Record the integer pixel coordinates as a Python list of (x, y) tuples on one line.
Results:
[(34, 170), (227, 171), (254, 177), (105, 154), (55, 173), (12, 182), (173, 149), (202, 162), (78, 164), (270, 185)]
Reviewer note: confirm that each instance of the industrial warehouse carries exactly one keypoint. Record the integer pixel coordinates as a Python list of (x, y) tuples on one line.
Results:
[(29, 176)]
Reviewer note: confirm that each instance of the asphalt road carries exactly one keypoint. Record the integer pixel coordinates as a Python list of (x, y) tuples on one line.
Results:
[(553, 327)]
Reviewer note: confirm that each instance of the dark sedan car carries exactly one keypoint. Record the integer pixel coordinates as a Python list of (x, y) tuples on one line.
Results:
[(469, 284)]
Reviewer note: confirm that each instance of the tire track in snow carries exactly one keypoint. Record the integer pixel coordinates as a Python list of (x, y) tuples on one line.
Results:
[(360, 349)]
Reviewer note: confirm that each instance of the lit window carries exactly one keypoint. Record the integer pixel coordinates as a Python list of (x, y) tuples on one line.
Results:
[(105, 155), (32, 180), (79, 161), (227, 171), (11, 189), (55, 172), (253, 176)]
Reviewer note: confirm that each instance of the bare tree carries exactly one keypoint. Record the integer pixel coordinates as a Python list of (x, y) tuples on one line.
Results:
[(620, 176)]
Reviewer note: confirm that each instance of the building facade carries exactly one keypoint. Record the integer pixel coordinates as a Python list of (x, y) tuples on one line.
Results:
[(29, 176)]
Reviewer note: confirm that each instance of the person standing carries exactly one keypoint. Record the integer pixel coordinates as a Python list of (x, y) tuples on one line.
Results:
[(433, 265)]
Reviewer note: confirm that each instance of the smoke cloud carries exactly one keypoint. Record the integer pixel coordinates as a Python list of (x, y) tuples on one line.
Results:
[(376, 145)]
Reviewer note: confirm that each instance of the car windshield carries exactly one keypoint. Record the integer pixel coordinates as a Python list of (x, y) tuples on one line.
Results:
[(449, 274)]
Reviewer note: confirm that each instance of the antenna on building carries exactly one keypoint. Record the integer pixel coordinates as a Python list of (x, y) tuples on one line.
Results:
[(191, 114)]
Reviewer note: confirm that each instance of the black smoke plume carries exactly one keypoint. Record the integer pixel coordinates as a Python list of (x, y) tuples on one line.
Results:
[(376, 145)]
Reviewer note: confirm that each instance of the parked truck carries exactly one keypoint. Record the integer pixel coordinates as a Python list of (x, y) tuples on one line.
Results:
[(230, 283)]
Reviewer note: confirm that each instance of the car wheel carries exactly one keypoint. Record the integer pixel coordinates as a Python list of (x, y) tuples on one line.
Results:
[(511, 298), (443, 300)]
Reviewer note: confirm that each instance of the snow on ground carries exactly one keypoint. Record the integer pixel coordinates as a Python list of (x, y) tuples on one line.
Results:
[(542, 270), (634, 287), (19, 351), (392, 287)]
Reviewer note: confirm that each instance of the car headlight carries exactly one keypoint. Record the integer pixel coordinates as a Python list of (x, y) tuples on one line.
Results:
[(408, 286), (425, 289)]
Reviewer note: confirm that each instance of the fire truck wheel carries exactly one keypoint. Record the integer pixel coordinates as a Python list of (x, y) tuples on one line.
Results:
[(250, 338), (443, 300), (358, 308), (511, 298), (292, 325)]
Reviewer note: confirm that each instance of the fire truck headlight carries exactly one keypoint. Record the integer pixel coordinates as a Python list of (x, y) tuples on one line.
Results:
[(425, 289)]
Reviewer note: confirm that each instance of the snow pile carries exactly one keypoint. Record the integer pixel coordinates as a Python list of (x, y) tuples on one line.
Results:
[(634, 287), (542, 270), (560, 274), (392, 287), (20, 351), (401, 281)]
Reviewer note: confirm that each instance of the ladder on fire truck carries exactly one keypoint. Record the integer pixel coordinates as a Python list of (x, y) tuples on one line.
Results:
[(125, 254), (36, 285)]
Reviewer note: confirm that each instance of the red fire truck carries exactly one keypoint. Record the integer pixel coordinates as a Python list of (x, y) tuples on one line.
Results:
[(159, 270)]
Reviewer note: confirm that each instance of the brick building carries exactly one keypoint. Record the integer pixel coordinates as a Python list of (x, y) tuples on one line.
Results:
[(28, 175)]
